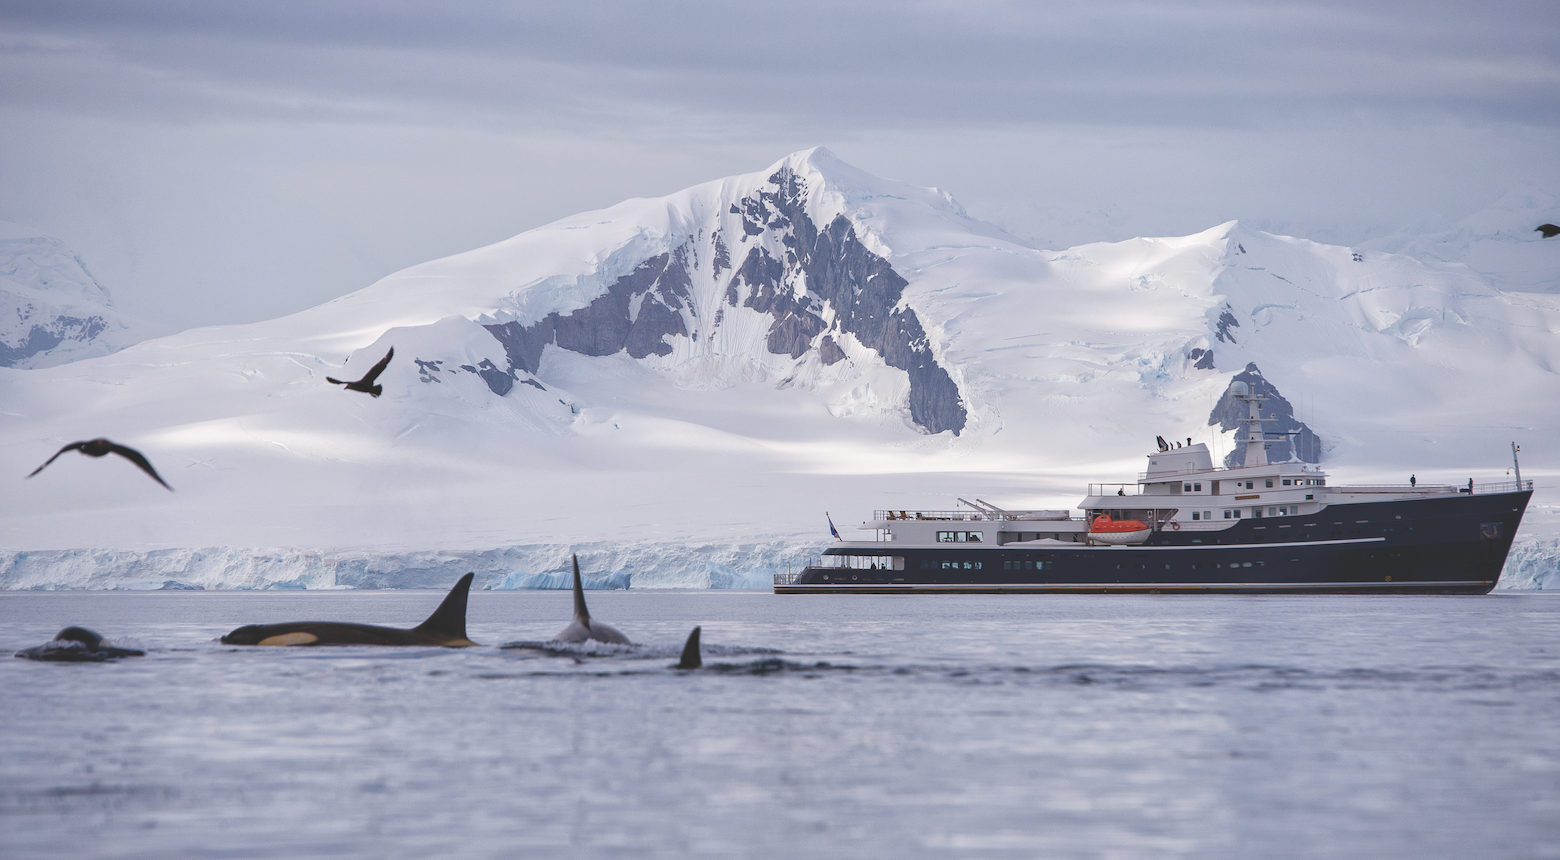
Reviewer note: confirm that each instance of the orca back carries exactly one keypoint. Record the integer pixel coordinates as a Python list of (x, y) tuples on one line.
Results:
[(691, 658), (579, 594), (448, 622)]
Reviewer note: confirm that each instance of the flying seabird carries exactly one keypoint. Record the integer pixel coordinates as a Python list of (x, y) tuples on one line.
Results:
[(1549, 230), (99, 447), (366, 384)]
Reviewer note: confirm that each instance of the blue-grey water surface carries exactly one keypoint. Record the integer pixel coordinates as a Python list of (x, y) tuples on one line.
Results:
[(1061, 726)]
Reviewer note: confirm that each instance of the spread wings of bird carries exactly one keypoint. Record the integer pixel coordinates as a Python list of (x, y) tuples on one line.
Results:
[(101, 447), (371, 375)]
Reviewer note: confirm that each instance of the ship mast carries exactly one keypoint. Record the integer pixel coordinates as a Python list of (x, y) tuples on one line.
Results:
[(1256, 443)]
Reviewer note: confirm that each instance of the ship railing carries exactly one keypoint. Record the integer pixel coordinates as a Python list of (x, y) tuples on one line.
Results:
[(967, 516), (1436, 489), (1500, 487), (1112, 489), (786, 578)]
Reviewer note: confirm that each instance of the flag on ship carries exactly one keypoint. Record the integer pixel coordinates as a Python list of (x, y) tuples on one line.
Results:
[(832, 530)]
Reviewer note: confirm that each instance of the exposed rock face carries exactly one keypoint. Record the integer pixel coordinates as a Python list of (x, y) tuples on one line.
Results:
[(846, 288), (637, 313), (44, 332), (498, 381), (815, 284), (1305, 446), (1227, 321)]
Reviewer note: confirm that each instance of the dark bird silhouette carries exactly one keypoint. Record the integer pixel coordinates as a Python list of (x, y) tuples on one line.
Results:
[(1549, 230), (99, 447), (367, 384)]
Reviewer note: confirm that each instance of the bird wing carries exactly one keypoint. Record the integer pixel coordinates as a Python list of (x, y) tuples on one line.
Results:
[(135, 457), (373, 372), (71, 447), (334, 381)]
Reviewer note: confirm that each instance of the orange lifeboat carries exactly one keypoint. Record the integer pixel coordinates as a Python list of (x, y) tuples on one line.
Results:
[(1106, 530)]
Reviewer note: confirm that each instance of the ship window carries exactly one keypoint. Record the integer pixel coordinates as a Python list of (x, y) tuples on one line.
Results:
[(1286, 482), (1272, 512), (1226, 514), (1270, 482), (1247, 564), (1186, 488), (1207, 515), (1196, 487), (1237, 513), (1249, 485), (960, 537), (1196, 515)]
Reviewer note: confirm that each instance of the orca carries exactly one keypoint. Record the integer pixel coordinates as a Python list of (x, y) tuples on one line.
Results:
[(582, 628), (77, 645), (446, 627), (690, 655)]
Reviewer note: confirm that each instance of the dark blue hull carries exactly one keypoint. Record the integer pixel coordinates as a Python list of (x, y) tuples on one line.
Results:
[(1449, 545)]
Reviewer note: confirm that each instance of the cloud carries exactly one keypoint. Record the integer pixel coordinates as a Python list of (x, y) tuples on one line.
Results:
[(220, 162), (888, 64)]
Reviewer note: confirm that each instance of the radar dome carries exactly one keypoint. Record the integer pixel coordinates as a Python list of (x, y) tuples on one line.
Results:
[(1239, 389)]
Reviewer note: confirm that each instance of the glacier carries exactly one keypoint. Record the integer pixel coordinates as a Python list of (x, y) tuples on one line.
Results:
[(682, 377), (604, 565)]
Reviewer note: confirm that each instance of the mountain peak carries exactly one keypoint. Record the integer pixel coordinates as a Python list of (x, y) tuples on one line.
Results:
[(52, 310)]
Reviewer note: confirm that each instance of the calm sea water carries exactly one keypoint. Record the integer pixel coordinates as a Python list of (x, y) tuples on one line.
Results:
[(957, 725)]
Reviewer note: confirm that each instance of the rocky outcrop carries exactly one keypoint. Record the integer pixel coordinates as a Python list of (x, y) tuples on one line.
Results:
[(637, 313), (815, 283), (847, 289), (1305, 445)]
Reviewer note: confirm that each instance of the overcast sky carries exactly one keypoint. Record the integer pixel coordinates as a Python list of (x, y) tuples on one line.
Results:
[(223, 162)]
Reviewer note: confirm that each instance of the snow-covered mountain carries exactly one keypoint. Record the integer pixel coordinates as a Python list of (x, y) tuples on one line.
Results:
[(1500, 242), (722, 365), (52, 310)]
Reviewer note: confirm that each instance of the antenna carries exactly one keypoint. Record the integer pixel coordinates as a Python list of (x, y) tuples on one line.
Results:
[(1515, 465)]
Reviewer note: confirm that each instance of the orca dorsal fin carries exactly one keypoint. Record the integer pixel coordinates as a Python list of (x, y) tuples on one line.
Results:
[(449, 620), (690, 655), (579, 594)]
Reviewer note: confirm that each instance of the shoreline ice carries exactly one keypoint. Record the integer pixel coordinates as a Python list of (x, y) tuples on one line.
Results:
[(1532, 565)]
